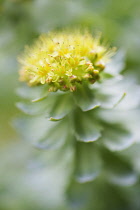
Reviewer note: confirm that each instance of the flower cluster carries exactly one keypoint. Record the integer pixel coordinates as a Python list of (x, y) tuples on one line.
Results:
[(64, 59)]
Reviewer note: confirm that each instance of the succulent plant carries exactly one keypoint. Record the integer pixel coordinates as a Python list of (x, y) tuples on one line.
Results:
[(73, 101)]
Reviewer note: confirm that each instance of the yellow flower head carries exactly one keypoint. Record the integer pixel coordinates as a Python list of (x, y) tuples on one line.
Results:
[(64, 59)]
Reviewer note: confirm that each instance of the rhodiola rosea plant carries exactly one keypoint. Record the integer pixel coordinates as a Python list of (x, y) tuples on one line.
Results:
[(77, 100)]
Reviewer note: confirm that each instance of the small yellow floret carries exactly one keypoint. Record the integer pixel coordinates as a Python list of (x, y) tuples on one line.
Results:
[(63, 59)]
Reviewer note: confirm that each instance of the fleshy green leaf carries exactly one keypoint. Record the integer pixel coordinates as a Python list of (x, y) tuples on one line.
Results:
[(61, 106), (32, 93), (31, 128), (87, 128), (43, 133), (109, 93), (88, 162), (117, 64), (55, 106), (132, 99), (79, 195), (31, 108), (55, 137), (118, 170), (85, 99), (115, 137)]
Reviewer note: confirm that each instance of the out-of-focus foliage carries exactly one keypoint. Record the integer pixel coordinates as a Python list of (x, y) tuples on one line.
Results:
[(24, 182)]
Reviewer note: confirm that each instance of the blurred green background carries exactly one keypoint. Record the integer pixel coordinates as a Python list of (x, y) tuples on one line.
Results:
[(25, 183)]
